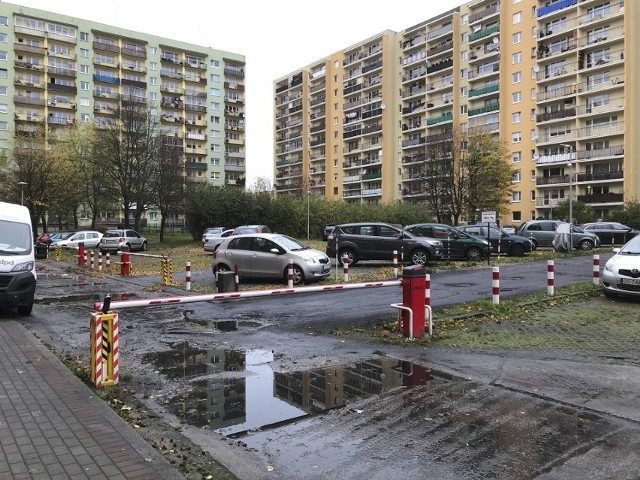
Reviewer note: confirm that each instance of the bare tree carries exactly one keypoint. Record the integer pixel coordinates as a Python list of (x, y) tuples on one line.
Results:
[(127, 145), (168, 180), (261, 184)]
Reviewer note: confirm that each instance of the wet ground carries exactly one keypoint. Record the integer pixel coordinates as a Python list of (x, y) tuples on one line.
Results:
[(272, 399)]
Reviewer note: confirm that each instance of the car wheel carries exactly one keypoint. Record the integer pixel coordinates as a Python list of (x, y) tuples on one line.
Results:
[(144, 246), (298, 275), (473, 253), (221, 268), (350, 254), (517, 250), (25, 310), (420, 257), (586, 245)]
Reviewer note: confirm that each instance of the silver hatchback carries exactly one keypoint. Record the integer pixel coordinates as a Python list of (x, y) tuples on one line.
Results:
[(114, 240), (267, 255)]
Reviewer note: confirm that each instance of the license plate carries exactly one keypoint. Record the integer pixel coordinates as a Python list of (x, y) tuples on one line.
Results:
[(630, 281)]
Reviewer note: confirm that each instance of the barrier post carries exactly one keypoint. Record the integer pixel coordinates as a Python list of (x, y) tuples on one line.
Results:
[(82, 259), (124, 262), (236, 269), (427, 290), (413, 301), (91, 256), (550, 277), (187, 283), (395, 263), (104, 351), (290, 274), (596, 270), (100, 261), (345, 265), (496, 286)]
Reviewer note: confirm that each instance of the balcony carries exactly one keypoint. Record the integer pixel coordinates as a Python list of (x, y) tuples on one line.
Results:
[(484, 109), (476, 92), (484, 33), (448, 63), (557, 115), (447, 117), (597, 177), (555, 7), (440, 31), (484, 70), (487, 12), (602, 198)]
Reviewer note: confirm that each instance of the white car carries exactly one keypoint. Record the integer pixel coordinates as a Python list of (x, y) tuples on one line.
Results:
[(213, 241), (267, 255), (90, 238), (621, 273)]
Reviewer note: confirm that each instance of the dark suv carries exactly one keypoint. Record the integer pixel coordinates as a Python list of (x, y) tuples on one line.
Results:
[(377, 241)]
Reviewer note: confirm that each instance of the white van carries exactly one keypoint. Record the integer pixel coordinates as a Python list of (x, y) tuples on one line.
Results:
[(17, 260)]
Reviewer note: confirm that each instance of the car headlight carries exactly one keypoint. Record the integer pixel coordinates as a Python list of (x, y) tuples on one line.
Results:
[(23, 267), (485, 242), (609, 266)]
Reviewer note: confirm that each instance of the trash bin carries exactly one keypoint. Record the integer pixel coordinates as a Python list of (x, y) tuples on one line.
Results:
[(41, 251), (226, 282)]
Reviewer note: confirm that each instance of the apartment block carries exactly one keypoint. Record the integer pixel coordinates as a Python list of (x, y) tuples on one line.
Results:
[(547, 78), (62, 72)]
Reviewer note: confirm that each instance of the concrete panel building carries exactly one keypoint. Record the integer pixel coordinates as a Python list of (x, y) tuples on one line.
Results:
[(64, 71), (548, 78)]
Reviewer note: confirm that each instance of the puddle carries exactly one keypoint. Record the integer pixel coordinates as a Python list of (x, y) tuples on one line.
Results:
[(234, 391)]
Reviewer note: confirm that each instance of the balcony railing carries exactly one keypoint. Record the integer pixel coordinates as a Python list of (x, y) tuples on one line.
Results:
[(485, 109), (484, 90), (602, 198), (484, 33), (554, 7)]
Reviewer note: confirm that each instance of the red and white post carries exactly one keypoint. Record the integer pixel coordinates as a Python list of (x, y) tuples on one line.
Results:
[(395, 263), (550, 277), (100, 261), (496, 286), (427, 290), (92, 262), (108, 259), (236, 269), (345, 268), (187, 282), (290, 274), (596, 270)]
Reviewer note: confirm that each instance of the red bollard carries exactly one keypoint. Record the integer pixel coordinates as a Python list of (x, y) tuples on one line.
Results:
[(124, 262), (427, 290), (496, 285), (413, 301), (345, 270), (290, 274), (550, 277), (82, 254), (596, 270)]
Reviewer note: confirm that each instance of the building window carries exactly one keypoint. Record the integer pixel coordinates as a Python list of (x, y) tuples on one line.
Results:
[(215, 63), (3, 91), (4, 73), (4, 20), (153, 96), (215, 175), (516, 137), (516, 97), (84, 69), (215, 161), (84, 86), (216, 148), (3, 55), (464, 38), (516, 157), (153, 50), (516, 58), (84, 36), (215, 77), (516, 177), (463, 73), (215, 92), (517, 17), (533, 175), (517, 37), (84, 53), (516, 196), (85, 118), (463, 91), (153, 81), (515, 117), (3, 37), (215, 119), (464, 19), (3, 125), (85, 102), (463, 109), (516, 77), (463, 56), (153, 66)]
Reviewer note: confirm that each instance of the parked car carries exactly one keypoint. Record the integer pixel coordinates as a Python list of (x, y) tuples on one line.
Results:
[(377, 241), (90, 238), (211, 232), (456, 244), (610, 232), (621, 273), (501, 241), (114, 240), (327, 230), (509, 229), (212, 243), (244, 229), (267, 255), (542, 233), (50, 237)]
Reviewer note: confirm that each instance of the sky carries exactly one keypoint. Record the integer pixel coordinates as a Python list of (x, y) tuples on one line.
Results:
[(276, 39)]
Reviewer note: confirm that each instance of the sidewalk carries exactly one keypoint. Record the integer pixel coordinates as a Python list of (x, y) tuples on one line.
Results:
[(52, 426)]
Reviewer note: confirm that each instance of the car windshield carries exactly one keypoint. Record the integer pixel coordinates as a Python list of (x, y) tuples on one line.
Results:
[(241, 230), (632, 247), (290, 243), (15, 238)]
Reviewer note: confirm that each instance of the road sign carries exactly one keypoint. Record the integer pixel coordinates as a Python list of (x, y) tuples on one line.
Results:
[(488, 216)]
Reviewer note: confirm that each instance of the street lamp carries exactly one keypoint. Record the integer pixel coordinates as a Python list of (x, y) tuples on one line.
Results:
[(570, 165), (308, 212), (22, 184)]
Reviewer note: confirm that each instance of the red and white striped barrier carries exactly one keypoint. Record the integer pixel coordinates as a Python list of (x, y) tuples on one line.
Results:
[(290, 274), (496, 285), (427, 290), (345, 268), (245, 294), (395, 263), (550, 277), (596, 270), (187, 282)]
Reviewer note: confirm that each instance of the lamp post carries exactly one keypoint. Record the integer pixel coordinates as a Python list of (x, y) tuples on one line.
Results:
[(22, 184), (570, 165), (308, 212)]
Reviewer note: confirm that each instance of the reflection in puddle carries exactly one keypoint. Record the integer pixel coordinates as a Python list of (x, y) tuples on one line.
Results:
[(235, 391)]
